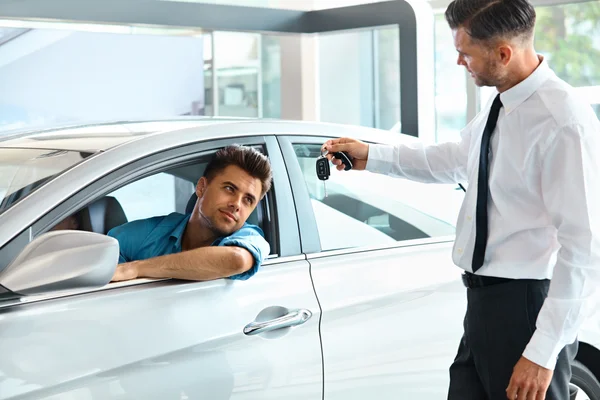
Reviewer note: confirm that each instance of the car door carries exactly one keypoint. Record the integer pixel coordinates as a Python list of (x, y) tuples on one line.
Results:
[(168, 339), (380, 253)]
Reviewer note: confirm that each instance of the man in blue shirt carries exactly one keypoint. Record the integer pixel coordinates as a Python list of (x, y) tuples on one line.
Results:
[(212, 242)]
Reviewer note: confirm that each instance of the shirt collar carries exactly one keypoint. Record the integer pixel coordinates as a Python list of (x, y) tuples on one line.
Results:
[(177, 232), (515, 96)]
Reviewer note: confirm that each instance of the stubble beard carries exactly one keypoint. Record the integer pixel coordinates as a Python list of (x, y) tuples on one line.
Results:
[(210, 224)]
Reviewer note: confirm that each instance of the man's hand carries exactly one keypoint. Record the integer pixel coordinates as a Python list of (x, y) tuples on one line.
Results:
[(357, 150), (529, 381), (125, 272)]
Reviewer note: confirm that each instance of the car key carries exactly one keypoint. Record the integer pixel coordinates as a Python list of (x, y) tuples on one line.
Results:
[(323, 171), (345, 157)]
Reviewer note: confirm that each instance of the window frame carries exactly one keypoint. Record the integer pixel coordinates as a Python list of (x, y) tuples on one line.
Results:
[(309, 233)]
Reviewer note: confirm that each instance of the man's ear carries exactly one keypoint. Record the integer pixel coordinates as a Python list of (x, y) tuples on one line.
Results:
[(201, 186), (504, 53)]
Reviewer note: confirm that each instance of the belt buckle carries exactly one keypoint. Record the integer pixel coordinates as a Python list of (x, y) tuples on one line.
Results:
[(467, 280), (472, 280)]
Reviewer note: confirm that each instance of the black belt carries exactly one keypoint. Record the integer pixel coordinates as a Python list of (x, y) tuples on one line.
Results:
[(472, 281)]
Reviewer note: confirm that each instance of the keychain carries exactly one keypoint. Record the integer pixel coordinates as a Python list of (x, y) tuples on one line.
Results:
[(323, 170)]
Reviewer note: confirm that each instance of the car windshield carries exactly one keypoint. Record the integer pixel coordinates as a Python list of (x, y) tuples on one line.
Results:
[(24, 170)]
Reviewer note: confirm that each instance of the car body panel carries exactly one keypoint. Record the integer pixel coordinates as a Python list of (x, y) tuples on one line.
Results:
[(166, 339), (391, 320)]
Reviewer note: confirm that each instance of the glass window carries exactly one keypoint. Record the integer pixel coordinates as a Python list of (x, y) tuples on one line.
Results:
[(57, 75), (387, 78), (364, 209), (237, 66), (8, 34), (346, 78), (360, 78), (207, 108), (450, 85), (160, 194), (24, 170), (569, 37), (156, 195), (271, 76), (248, 75)]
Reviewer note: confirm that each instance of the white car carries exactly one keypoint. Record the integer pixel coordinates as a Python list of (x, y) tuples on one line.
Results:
[(359, 298)]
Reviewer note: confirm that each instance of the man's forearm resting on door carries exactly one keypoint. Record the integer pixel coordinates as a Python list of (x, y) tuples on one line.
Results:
[(201, 264)]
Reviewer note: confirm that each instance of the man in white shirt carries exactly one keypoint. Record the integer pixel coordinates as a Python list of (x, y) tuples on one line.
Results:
[(531, 212)]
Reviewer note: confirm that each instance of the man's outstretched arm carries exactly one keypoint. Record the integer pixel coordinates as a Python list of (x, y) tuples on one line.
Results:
[(202, 264)]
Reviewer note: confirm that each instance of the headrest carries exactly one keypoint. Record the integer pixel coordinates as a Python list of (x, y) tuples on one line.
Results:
[(191, 203), (103, 215)]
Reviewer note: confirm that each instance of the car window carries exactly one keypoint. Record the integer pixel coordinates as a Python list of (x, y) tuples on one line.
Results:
[(339, 230), (99, 209), (159, 194), (24, 170), (363, 209)]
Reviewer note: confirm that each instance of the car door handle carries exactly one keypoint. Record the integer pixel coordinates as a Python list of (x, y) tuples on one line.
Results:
[(293, 318)]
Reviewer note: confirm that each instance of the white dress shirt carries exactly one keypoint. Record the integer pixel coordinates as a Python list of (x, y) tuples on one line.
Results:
[(544, 204)]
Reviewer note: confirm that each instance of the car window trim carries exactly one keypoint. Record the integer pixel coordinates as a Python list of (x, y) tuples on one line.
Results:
[(309, 233), (399, 244)]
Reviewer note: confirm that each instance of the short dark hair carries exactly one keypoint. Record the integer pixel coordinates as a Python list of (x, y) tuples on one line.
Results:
[(247, 158), (486, 20)]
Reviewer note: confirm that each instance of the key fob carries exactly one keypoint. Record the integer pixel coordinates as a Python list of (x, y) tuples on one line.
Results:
[(342, 155), (323, 171)]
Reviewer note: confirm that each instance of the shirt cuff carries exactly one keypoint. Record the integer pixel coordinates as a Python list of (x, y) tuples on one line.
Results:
[(256, 253), (543, 350), (380, 158)]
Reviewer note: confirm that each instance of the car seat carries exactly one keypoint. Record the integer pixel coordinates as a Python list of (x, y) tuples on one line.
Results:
[(102, 215)]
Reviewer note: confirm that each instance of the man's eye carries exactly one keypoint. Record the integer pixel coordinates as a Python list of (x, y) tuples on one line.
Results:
[(229, 188), (249, 200)]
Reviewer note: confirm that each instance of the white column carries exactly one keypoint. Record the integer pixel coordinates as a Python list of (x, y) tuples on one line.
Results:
[(299, 69), (300, 77)]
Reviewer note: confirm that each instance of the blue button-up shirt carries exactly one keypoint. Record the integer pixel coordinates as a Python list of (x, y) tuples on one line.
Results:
[(159, 236)]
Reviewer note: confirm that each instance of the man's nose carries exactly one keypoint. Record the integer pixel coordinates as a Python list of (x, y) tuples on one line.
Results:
[(235, 202), (460, 61)]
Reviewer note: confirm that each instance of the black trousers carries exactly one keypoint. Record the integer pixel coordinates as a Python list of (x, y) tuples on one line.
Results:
[(499, 323)]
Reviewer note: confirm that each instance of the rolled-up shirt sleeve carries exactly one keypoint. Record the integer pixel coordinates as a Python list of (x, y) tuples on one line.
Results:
[(439, 163), (571, 192), (251, 238)]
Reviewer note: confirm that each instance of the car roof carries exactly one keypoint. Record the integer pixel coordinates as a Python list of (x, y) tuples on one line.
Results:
[(104, 136), (93, 137)]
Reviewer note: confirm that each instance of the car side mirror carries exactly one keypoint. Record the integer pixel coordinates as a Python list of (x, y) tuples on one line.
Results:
[(62, 260)]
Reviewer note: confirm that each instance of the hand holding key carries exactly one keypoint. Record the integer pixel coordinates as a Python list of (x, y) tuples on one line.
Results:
[(357, 150), (323, 171)]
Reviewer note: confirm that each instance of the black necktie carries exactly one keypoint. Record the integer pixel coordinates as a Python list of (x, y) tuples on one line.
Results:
[(481, 216)]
